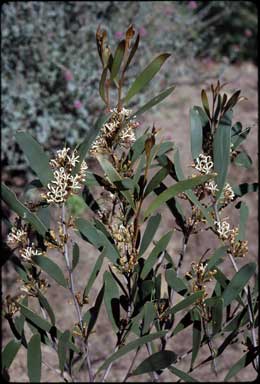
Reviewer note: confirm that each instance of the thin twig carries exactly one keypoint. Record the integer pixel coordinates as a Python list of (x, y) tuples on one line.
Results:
[(245, 289), (131, 365), (73, 293)]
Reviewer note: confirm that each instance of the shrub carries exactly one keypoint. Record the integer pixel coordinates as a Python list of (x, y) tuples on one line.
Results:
[(133, 169)]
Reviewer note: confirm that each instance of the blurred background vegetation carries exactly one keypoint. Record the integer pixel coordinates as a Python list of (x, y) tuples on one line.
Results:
[(50, 69)]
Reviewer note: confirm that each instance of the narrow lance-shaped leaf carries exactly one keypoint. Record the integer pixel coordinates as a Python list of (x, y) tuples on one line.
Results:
[(150, 230), (62, 348), (238, 282), (45, 304), (185, 302), (111, 299), (205, 102), (182, 375), (132, 52), (146, 76), (221, 150), (94, 274), (175, 282), (155, 362), (149, 316), (243, 160), (157, 250), (156, 180), (196, 335), (97, 238), (172, 191), (131, 346), (75, 256), (240, 364), (11, 200), (34, 359), (119, 54), (216, 257), (51, 268), (242, 221), (102, 91), (196, 133), (155, 100), (217, 315), (38, 160), (10, 352)]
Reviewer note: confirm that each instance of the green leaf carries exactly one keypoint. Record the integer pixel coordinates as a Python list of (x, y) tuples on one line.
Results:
[(186, 302), (38, 160), (87, 142), (205, 102), (111, 299), (44, 215), (35, 319), (182, 375), (76, 205), (196, 335), (98, 239), (221, 150), (215, 258), (238, 282), (217, 315), (155, 362), (242, 221), (102, 85), (157, 250), (195, 132), (243, 160), (91, 315), (146, 76), (150, 230), (114, 176), (117, 61), (51, 268), (129, 347), (149, 316), (62, 348), (172, 191), (94, 274), (132, 52), (239, 136), (9, 353), (240, 364), (45, 304), (156, 180), (75, 256), (34, 359), (175, 282), (155, 100), (185, 322), (11, 200)]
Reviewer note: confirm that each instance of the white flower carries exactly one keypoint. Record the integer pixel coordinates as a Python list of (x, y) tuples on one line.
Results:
[(228, 192), (16, 235), (223, 228), (204, 164), (28, 252), (211, 186)]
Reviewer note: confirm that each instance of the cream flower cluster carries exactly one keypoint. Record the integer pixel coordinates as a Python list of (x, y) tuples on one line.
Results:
[(27, 252), (204, 164), (16, 236), (223, 229), (65, 183), (115, 131)]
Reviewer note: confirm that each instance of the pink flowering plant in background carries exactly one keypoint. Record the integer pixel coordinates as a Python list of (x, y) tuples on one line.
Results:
[(149, 295)]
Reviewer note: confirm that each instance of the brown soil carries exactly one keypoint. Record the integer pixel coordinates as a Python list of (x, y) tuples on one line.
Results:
[(173, 118)]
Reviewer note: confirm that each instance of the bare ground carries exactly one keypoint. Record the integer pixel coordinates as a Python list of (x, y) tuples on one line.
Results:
[(173, 118)]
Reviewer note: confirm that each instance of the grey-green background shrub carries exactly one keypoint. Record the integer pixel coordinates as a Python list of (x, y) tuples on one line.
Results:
[(49, 66)]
